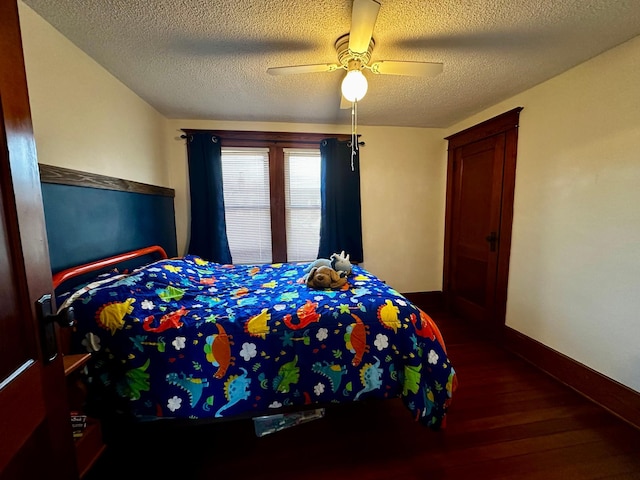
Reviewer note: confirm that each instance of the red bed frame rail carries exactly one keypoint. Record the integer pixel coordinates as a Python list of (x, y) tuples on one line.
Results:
[(69, 273)]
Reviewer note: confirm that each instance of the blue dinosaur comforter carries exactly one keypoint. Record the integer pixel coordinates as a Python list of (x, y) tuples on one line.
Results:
[(186, 338)]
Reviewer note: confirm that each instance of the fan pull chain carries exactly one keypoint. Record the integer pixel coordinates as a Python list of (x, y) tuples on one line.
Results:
[(354, 133)]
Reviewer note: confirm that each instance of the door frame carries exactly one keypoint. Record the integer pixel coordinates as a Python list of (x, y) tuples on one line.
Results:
[(506, 123), (37, 436)]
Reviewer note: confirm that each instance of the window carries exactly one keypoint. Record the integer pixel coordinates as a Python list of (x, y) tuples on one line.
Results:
[(302, 203), (247, 204), (271, 186)]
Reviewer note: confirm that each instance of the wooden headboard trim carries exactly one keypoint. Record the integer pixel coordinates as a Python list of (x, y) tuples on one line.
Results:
[(69, 273), (67, 176)]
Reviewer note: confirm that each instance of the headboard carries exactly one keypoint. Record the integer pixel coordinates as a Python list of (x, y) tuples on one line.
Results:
[(90, 216)]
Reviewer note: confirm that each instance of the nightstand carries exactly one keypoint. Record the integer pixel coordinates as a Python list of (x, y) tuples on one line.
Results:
[(89, 445)]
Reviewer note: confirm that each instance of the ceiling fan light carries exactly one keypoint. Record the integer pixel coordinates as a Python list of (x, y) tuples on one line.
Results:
[(354, 86)]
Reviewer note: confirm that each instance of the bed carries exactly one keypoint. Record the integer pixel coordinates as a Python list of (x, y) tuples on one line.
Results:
[(184, 338)]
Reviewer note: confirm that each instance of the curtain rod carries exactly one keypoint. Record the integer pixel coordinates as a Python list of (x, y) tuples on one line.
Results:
[(268, 137), (362, 144)]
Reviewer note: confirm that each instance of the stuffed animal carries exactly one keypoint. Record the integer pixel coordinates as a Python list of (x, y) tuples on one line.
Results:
[(337, 261), (321, 262), (324, 277), (340, 263)]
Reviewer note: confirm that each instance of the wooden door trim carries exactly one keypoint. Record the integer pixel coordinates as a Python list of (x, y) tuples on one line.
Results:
[(28, 257), (506, 222), (493, 126), (506, 123)]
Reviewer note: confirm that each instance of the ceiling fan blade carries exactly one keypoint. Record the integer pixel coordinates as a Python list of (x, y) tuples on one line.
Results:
[(414, 69), (363, 19), (320, 67)]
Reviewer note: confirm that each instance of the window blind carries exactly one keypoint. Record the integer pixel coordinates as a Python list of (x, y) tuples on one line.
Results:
[(245, 176), (302, 200)]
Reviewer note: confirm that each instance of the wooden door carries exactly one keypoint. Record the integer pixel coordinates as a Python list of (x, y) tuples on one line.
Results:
[(480, 181), (36, 438)]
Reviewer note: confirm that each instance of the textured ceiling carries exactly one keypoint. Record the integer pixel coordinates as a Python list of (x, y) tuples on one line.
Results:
[(200, 59)]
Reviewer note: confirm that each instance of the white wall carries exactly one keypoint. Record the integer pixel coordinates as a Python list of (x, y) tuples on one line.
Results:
[(83, 117), (402, 180), (574, 282)]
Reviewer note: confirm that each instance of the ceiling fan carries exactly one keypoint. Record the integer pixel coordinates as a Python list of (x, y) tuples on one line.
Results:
[(354, 54)]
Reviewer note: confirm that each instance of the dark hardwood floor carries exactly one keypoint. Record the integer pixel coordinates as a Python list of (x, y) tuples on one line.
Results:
[(507, 421)]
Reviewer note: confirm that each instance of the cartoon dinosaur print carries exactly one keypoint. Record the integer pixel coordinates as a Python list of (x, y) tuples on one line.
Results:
[(208, 300), (253, 271), (289, 373), (257, 326), (424, 330), (452, 383), (356, 339), (388, 315), (248, 301), (289, 337), (139, 341), (371, 377), (172, 268), (359, 292), (411, 379), (306, 314), (167, 321), (429, 402), (193, 386), (128, 281), (136, 380), (331, 371), (236, 388), (240, 292), (287, 297), (218, 351), (111, 315), (206, 280), (170, 293)]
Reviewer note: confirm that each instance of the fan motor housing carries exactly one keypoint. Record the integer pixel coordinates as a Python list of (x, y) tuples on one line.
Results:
[(344, 54)]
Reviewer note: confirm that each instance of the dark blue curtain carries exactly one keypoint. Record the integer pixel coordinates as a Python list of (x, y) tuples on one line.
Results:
[(208, 232), (341, 221)]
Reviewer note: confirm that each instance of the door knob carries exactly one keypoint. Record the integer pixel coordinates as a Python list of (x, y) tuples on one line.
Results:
[(64, 318), (492, 238)]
